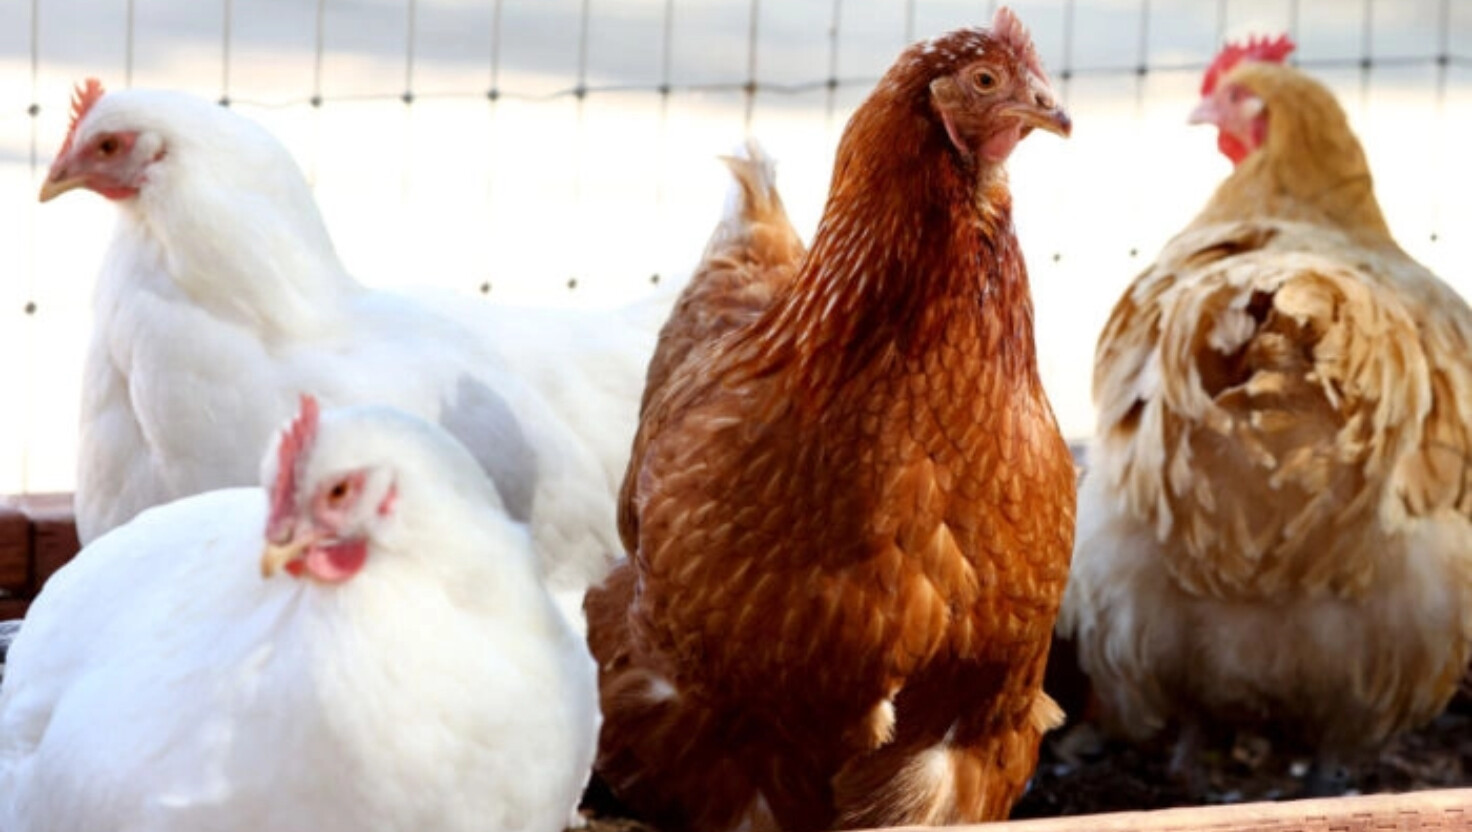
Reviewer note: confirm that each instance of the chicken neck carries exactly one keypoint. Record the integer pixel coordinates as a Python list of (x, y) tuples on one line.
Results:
[(916, 249), (274, 271)]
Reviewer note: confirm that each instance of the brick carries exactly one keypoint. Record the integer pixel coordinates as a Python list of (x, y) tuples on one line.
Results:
[(15, 550), (53, 532)]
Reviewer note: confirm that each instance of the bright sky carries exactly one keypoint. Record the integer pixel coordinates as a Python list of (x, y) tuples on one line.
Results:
[(524, 194)]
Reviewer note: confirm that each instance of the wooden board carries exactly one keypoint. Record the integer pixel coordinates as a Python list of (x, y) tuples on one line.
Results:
[(1431, 810)]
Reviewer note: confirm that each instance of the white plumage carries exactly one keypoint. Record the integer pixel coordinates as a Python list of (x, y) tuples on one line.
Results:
[(161, 683), (222, 299)]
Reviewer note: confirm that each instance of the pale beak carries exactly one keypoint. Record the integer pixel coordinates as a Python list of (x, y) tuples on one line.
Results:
[(277, 555), (58, 183), (1206, 112)]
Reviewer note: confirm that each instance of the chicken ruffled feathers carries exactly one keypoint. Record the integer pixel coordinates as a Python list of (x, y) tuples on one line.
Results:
[(1274, 527)]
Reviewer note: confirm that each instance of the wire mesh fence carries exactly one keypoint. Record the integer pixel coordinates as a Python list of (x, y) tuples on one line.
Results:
[(563, 150)]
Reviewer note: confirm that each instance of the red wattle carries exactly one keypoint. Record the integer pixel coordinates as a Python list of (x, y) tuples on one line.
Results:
[(116, 193), (337, 562), (1231, 147), (1000, 145)]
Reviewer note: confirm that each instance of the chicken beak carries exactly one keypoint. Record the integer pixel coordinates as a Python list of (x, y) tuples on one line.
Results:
[(1206, 112), (58, 182), (1043, 111), (1054, 120), (278, 555)]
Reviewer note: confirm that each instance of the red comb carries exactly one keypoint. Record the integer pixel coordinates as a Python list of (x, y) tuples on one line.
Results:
[(1257, 48), (1007, 28), (295, 439), (84, 96)]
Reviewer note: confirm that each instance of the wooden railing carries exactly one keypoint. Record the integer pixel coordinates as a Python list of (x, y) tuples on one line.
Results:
[(1447, 809)]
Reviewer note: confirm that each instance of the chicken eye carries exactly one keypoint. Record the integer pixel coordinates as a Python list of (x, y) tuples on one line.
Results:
[(108, 146), (338, 493), (984, 80)]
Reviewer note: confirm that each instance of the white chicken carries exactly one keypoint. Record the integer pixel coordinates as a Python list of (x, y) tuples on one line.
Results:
[(408, 672), (222, 298)]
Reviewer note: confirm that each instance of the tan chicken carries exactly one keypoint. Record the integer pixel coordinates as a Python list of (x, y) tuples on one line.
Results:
[(1275, 525), (849, 516)]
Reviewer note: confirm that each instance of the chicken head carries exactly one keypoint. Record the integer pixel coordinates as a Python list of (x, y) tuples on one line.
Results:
[(991, 103), (1238, 112), (112, 162), (321, 520)]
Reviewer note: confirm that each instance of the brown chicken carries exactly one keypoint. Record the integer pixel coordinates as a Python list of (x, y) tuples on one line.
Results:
[(849, 518), (1274, 531)]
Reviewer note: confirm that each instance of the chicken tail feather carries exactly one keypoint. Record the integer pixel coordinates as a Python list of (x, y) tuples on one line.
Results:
[(755, 197), (1046, 713), (755, 217)]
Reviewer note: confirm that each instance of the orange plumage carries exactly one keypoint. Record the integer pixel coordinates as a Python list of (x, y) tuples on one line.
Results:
[(849, 515)]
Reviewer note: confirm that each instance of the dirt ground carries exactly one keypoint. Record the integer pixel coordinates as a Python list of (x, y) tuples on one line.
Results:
[(1081, 773)]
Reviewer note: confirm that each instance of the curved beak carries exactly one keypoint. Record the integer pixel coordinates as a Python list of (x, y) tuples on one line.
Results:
[(278, 555), (59, 180), (1207, 112), (1043, 111), (1053, 119)]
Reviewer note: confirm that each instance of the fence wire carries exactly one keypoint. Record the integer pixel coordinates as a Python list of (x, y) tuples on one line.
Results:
[(751, 84)]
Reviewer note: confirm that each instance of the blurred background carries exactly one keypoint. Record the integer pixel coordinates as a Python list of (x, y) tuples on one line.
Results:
[(564, 151)]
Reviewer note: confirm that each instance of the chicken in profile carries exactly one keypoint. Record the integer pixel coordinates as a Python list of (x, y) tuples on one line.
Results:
[(849, 516), (1274, 530), (222, 298), (362, 643)]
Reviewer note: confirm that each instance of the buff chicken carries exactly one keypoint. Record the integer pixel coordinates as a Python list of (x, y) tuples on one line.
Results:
[(1274, 532)]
